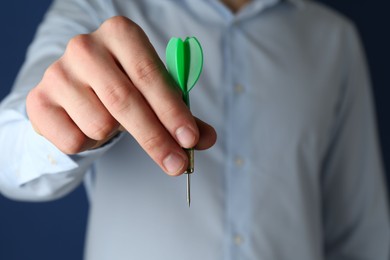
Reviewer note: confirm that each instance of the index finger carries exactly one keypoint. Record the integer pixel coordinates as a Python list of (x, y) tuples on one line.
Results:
[(132, 49)]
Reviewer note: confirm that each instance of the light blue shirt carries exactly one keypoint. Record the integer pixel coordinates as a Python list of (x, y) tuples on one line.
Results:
[(296, 172)]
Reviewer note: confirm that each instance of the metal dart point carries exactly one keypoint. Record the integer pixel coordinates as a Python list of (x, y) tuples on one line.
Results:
[(188, 190)]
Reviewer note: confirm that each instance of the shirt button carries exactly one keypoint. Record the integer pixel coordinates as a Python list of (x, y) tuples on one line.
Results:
[(51, 160), (238, 240), (238, 89), (239, 161)]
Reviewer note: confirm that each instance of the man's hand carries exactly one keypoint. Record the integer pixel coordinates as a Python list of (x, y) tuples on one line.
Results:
[(109, 79)]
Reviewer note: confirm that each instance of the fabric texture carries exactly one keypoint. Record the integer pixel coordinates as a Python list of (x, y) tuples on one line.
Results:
[(295, 174)]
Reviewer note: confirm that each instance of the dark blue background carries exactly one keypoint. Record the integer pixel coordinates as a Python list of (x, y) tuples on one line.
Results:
[(56, 230)]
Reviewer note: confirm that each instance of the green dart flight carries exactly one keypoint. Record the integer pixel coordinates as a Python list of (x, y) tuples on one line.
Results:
[(185, 61)]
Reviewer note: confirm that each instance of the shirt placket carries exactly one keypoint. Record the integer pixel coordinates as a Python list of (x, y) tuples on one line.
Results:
[(237, 139)]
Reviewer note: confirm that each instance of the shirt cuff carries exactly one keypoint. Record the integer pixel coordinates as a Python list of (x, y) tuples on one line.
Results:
[(38, 157)]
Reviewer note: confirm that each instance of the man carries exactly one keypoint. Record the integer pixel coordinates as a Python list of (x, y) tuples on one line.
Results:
[(295, 174)]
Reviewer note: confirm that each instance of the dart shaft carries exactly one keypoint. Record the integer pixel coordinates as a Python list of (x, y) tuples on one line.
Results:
[(188, 172), (190, 155)]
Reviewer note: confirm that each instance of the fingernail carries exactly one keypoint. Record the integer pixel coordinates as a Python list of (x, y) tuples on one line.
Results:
[(173, 163), (185, 136)]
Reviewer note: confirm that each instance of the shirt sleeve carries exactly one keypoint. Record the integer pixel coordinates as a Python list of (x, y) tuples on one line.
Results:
[(356, 218), (31, 167)]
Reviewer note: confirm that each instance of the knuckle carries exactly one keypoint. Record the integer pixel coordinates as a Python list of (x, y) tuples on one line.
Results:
[(33, 99), (152, 143), (80, 46), (56, 80), (74, 143), (117, 21), (102, 129), (170, 112), (36, 102), (146, 71), (55, 72), (117, 97), (121, 25)]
